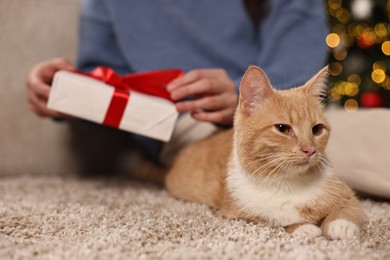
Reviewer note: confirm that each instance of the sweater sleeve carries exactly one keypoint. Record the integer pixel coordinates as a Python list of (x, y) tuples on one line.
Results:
[(97, 40), (98, 45), (292, 41)]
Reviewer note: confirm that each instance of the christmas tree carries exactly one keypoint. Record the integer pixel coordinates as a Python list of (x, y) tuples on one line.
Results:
[(359, 61)]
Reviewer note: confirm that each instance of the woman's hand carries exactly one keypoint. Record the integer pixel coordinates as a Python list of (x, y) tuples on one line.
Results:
[(38, 85), (214, 95)]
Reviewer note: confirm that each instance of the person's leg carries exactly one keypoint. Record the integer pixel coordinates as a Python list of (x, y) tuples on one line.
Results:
[(100, 150), (187, 131)]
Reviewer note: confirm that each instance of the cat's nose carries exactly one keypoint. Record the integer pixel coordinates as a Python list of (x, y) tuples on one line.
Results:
[(309, 151)]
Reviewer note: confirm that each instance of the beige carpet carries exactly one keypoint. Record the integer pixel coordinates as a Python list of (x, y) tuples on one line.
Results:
[(72, 218)]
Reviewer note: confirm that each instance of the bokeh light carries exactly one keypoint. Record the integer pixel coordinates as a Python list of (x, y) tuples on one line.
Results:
[(379, 65), (340, 53), (359, 48), (366, 39), (334, 4), (335, 68), (355, 78), (378, 75), (380, 30), (333, 40), (351, 89), (347, 40), (351, 105), (386, 84), (386, 48)]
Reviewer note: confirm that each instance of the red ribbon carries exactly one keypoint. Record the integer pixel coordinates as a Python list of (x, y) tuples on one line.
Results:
[(151, 83)]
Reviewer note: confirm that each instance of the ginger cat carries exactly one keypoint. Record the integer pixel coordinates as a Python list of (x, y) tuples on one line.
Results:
[(271, 166)]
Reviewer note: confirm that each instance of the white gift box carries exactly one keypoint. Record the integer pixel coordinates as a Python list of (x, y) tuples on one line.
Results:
[(88, 98)]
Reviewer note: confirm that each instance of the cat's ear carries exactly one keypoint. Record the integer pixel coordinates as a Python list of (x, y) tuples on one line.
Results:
[(254, 88), (316, 86)]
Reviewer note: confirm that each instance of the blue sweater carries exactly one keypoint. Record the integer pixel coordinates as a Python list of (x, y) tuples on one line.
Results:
[(139, 35)]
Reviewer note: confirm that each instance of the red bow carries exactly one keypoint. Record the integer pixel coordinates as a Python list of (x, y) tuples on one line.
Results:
[(151, 83)]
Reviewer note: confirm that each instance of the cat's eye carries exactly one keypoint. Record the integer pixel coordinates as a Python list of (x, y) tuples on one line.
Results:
[(284, 129), (317, 129)]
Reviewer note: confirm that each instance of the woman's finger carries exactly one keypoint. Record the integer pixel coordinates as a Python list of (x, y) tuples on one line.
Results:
[(202, 87)]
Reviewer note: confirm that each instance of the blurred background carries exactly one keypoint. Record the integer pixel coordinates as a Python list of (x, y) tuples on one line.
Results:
[(359, 44), (36, 30)]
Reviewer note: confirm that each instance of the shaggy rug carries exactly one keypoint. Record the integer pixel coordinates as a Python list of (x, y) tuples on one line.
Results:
[(52, 217)]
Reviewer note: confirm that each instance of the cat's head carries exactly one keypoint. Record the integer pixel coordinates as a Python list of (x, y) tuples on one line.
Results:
[(280, 132)]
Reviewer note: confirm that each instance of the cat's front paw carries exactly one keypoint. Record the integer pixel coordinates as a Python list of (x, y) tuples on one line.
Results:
[(307, 230), (342, 229)]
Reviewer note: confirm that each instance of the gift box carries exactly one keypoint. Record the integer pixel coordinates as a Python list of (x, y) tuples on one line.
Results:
[(137, 103)]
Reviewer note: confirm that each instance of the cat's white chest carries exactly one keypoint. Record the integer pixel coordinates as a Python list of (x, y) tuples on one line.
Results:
[(279, 203)]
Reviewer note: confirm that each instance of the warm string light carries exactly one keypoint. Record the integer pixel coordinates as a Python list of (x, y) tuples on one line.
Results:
[(346, 33), (386, 48)]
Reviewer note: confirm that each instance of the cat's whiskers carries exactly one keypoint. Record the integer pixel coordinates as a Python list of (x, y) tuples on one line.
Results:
[(270, 158), (264, 170), (264, 160), (323, 163), (276, 171), (277, 161)]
